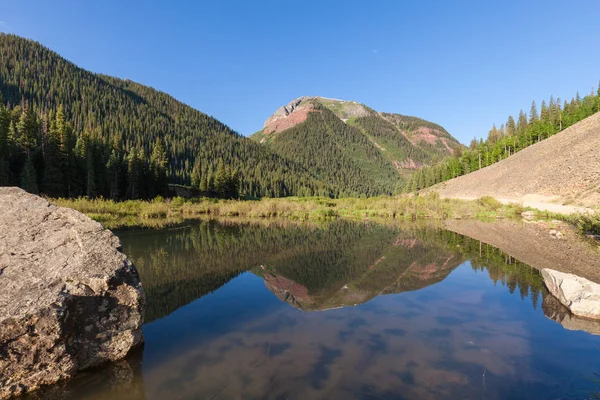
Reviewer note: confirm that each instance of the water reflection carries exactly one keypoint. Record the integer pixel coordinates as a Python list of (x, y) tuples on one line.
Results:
[(404, 314), (119, 380)]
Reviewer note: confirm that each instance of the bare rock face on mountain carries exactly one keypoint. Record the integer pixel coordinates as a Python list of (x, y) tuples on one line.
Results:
[(292, 114), (286, 110), (296, 112), (69, 299)]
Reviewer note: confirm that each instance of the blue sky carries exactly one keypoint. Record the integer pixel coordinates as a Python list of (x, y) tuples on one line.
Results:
[(462, 64)]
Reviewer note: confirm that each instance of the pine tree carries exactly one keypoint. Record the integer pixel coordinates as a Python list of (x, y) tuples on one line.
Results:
[(521, 122), (53, 182), (196, 174), (29, 177), (5, 146), (210, 181), (221, 180), (544, 113), (67, 142), (204, 182), (533, 113), (114, 167), (511, 128), (473, 144), (4, 172), (493, 135), (158, 167), (233, 187), (90, 166), (4, 132), (28, 129), (134, 174)]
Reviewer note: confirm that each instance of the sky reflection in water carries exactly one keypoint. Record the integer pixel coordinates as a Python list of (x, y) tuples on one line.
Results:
[(409, 314)]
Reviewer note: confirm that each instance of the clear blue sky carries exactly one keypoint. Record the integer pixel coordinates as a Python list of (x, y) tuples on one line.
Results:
[(462, 64)]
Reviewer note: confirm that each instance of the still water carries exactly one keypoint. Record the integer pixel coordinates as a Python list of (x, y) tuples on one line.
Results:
[(342, 311)]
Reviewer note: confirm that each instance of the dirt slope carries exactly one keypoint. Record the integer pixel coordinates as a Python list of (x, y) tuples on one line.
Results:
[(561, 170), (532, 244)]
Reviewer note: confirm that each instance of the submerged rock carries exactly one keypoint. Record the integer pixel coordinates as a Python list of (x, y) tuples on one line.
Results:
[(69, 299), (579, 295)]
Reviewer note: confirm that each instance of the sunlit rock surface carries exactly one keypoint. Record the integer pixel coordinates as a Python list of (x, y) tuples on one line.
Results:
[(581, 296), (69, 299)]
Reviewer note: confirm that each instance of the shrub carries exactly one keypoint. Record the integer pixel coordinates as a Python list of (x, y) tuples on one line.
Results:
[(325, 214), (489, 203), (589, 222), (177, 201)]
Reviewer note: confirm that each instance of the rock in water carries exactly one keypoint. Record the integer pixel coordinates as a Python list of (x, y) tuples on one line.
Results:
[(528, 215), (579, 295), (69, 299)]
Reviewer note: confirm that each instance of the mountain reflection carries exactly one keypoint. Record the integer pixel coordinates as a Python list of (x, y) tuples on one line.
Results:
[(311, 267), (467, 324)]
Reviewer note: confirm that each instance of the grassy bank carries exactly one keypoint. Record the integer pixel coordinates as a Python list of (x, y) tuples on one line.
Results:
[(160, 212)]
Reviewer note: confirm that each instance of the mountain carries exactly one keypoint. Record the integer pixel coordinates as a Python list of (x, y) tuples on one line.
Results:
[(348, 140), (124, 118), (563, 169), (406, 264)]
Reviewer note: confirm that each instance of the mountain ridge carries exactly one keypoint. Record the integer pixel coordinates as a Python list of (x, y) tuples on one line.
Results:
[(406, 142), (125, 116)]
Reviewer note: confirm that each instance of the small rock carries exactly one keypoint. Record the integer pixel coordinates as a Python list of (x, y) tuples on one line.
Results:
[(528, 215)]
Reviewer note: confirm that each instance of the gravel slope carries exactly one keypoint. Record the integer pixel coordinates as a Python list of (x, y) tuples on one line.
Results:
[(532, 244), (561, 170)]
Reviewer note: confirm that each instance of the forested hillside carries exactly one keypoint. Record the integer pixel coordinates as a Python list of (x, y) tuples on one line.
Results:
[(376, 142), (409, 143), (512, 137), (65, 131), (337, 153)]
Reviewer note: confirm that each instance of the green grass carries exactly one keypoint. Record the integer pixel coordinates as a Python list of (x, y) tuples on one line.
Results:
[(588, 223), (160, 213)]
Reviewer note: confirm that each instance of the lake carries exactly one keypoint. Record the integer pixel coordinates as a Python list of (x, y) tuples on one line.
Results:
[(342, 310)]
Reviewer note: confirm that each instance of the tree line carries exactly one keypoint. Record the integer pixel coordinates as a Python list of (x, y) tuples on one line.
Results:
[(509, 138), (40, 152), (110, 114)]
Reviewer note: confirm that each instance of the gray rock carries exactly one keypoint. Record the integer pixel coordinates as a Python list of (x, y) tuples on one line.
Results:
[(579, 295), (286, 110), (528, 215), (69, 299)]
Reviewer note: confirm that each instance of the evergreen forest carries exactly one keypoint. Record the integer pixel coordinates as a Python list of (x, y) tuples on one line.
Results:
[(509, 138), (65, 131)]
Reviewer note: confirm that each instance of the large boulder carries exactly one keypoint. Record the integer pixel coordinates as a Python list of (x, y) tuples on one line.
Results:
[(69, 299), (579, 295)]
